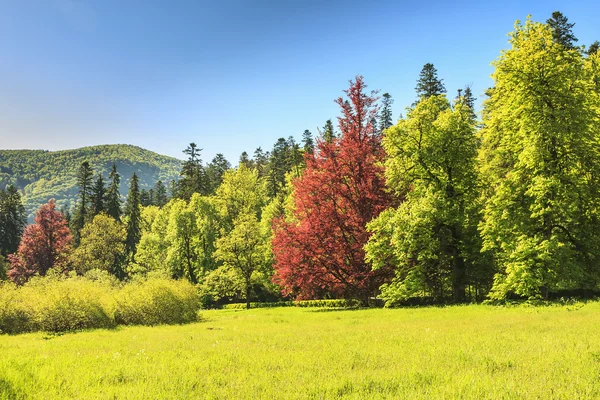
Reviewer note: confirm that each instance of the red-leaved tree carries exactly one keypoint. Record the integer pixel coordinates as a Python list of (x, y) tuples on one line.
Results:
[(320, 250), (44, 245)]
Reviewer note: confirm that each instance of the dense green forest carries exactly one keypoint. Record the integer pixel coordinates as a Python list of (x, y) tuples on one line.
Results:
[(41, 175)]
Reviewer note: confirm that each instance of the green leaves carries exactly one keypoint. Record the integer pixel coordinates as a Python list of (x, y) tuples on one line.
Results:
[(539, 158)]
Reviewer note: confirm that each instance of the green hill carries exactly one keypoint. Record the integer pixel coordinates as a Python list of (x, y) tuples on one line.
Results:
[(42, 175)]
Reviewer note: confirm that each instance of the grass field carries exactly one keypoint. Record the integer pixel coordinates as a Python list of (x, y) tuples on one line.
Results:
[(290, 353)]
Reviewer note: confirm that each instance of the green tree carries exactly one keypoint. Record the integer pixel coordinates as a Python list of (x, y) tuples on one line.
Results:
[(539, 160), (307, 141), (133, 218), (215, 171), (113, 197), (83, 209), (160, 193), (98, 196), (193, 175), (385, 115), (12, 220), (182, 255), (261, 161), (243, 249), (428, 83), (431, 238), (593, 49), (562, 30), (242, 192), (328, 132), (102, 247)]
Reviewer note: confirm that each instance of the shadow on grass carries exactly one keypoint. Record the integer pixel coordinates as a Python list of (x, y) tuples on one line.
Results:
[(7, 391)]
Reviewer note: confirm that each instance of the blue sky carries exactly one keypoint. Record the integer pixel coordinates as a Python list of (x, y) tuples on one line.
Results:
[(233, 75)]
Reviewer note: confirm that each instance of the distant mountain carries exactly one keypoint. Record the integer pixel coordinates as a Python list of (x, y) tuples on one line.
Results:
[(41, 175)]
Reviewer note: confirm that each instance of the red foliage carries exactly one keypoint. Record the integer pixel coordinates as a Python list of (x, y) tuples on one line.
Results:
[(44, 245), (341, 190)]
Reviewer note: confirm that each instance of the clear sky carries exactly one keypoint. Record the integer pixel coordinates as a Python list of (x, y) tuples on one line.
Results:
[(233, 75)]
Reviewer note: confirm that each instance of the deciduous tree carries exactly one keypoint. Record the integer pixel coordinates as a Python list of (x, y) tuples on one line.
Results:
[(540, 164), (45, 244), (319, 250)]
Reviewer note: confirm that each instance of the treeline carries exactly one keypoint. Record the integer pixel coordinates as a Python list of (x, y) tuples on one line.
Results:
[(441, 206)]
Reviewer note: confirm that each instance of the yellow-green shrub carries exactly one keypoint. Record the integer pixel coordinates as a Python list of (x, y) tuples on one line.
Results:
[(157, 301), (58, 304), (14, 316)]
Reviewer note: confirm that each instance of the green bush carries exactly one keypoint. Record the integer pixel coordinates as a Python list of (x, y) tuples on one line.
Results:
[(60, 304), (157, 301), (14, 316)]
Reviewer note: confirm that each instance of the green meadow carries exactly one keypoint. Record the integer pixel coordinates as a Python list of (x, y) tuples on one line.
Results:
[(474, 351)]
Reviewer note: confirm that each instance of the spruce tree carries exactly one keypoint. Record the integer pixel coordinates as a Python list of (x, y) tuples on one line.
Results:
[(562, 30), (429, 84), (12, 220), (215, 171), (328, 131), (245, 160), (113, 196), (160, 194), (593, 49), (145, 200), (83, 209), (385, 116), (307, 141), (98, 198), (133, 217), (261, 161), (193, 175)]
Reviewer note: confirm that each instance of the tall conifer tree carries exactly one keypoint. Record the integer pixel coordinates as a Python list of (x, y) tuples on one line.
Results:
[(134, 217), (113, 196)]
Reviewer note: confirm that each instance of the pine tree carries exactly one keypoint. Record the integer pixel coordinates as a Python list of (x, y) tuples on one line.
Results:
[(261, 161), (328, 132), (133, 216), (160, 194), (245, 160), (385, 115), (593, 49), (113, 196), (84, 206), (429, 84), (307, 141), (562, 30), (12, 220), (193, 175), (98, 197), (145, 200), (215, 171)]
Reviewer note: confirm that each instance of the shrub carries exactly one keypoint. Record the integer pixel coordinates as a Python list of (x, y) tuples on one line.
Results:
[(14, 317), (60, 305), (157, 301)]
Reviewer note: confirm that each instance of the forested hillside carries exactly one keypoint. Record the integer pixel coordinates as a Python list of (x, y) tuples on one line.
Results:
[(41, 175)]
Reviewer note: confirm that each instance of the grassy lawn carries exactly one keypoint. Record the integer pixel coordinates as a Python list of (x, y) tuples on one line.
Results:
[(288, 353)]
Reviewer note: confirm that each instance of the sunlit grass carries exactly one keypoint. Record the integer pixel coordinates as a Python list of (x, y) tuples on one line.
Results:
[(288, 353)]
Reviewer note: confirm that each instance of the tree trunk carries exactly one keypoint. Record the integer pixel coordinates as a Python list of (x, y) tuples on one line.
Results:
[(248, 290)]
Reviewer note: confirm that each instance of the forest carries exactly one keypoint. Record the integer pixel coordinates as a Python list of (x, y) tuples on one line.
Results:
[(444, 205), (42, 175)]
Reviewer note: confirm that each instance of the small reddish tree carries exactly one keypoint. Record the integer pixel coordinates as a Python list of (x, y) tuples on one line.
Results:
[(319, 250), (44, 245)]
